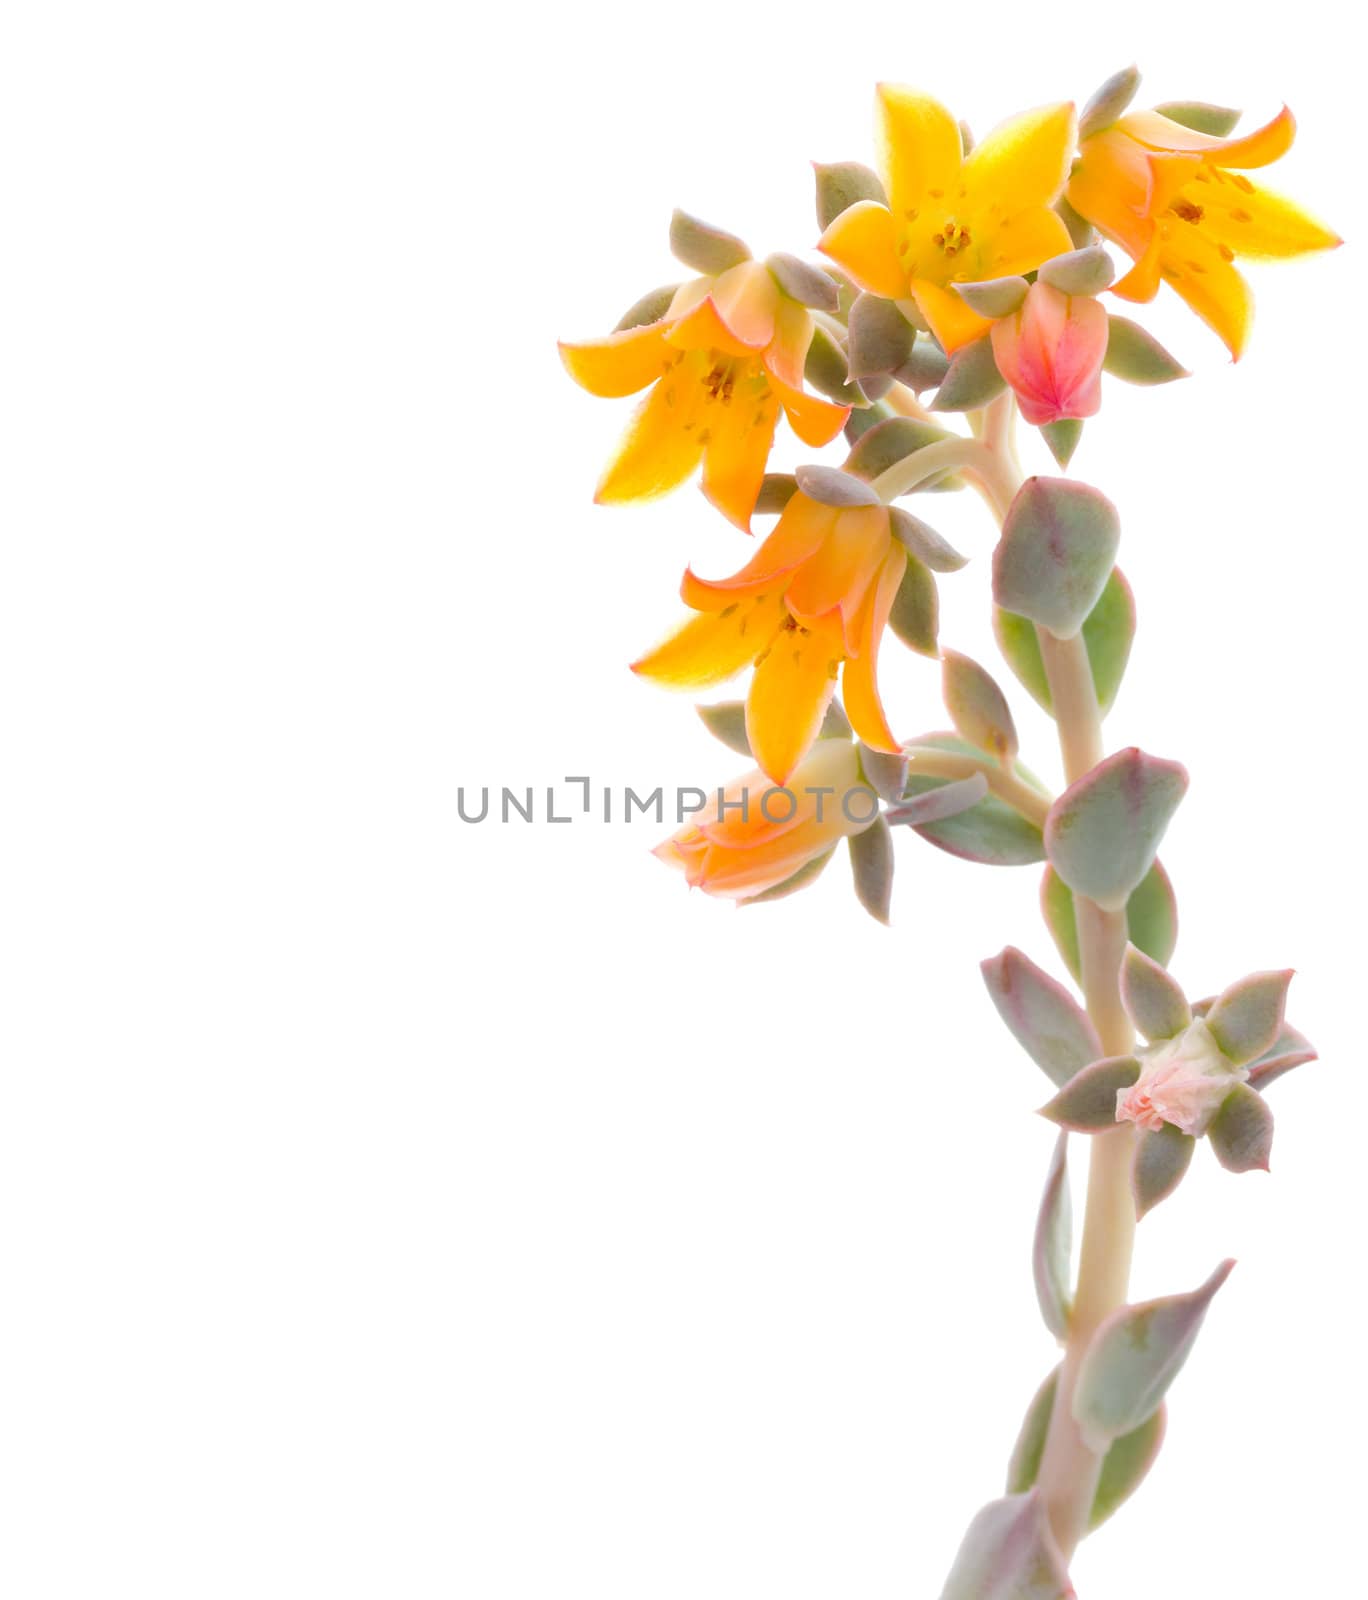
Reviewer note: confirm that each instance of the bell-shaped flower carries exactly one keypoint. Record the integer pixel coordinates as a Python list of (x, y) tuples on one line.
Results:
[(1179, 203), (755, 835), (721, 362), (1050, 350), (954, 218)]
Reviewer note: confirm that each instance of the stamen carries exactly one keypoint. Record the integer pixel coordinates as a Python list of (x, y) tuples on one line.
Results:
[(1187, 210)]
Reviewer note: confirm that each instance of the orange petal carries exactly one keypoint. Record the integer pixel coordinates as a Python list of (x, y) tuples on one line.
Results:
[(736, 455), (1256, 149), (787, 352), (789, 694), (864, 241), (839, 573), (746, 298), (798, 532), (951, 320), (660, 448), (1141, 283), (1111, 187), (619, 364), (918, 144), (713, 647), (858, 682), (1025, 161), (703, 329), (814, 420)]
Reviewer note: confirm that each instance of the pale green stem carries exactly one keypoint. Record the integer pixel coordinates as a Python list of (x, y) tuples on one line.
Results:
[(1069, 1470), (1030, 802)]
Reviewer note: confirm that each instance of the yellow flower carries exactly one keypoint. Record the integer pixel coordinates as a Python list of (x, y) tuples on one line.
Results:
[(759, 836), (953, 218), (722, 361), (1180, 206), (812, 604)]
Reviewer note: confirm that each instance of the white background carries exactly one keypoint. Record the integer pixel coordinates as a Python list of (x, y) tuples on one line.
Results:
[(394, 1207)]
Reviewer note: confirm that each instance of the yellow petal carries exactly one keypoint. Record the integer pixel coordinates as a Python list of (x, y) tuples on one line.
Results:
[(660, 448), (1255, 149), (839, 572), (787, 353), (859, 682), (703, 329), (864, 241), (918, 144), (798, 532), (1141, 283), (789, 694), (715, 646), (1023, 162), (1020, 244), (1211, 286), (951, 320), (620, 364), (1254, 222), (736, 455)]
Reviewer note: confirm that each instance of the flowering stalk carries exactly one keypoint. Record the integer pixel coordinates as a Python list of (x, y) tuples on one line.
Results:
[(972, 274)]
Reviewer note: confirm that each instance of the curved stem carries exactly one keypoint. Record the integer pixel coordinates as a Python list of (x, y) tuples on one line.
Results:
[(1069, 1470), (1021, 796)]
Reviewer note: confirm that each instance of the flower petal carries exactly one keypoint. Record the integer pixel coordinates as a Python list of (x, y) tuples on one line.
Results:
[(1024, 162), (798, 532), (1256, 149), (789, 694), (746, 298), (858, 682), (952, 321), (659, 449), (864, 241), (1211, 286), (1021, 242), (839, 572), (1251, 221), (918, 144), (619, 364), (715, 646), (814, 420), (735, 456)]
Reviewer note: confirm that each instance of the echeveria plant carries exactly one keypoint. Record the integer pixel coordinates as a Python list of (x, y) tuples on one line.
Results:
[(970, 281)]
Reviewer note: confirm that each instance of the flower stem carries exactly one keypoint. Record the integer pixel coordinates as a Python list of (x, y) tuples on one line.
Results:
[(1069, 1470)]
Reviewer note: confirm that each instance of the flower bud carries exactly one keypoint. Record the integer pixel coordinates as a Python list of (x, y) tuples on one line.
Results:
[(1182, 1083), (1051, 351)]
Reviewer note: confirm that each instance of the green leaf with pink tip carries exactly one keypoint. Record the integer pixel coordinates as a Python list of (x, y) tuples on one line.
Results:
[(977, 707), (1153, 1000), (951, 799), (889, 441), (879, 340), (1053, 1244), (886, 774), (1135, 356), (1044, 1018), (1079, 272), (915, 614), (1126, 1466), (925, 368), (1133, 1359), (1151, 917), (1008, 1553), (803, 282), (827, 368), (1024, 1466), (1246, 1018), (1218, 121), (993, 297), (922, 541), (1062, 438), (1290, 1049), (992, 832), (703, 247), (971, 380), (1102, 833), (1108, 633), (1058, 544), (1162, 1157), (842, 184), (1241, 1133), (1087, 1102), (829, 486), (650, 308), (1108, 102), (871, 862)]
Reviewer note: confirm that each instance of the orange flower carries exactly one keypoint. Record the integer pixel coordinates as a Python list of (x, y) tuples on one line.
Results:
[(1050, 350), (952, 218), (722, 361), (809, 607), (1180, 206), (759, 835)]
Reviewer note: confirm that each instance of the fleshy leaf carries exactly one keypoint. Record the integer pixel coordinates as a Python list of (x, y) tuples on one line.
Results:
[(827, 370), (1153, 1001), (1053, 1243), (1162, 1157), (1290, 1049), (1247, 1017), (889, 441), (650, 308), (1136, 356), (1062, 438), (806, 874), (1008, 1553), (1133, 1358), (925, 368), (803, 282), (1126, 1465), (977, 707), (990, 833), (880, 338), (884, 772), (835, 724), (1058, 544), (1151, 917), (864, 420), (924, 542), (776, 490), (832, 487), (1081, 231), (993, 297), (871, 861), (1218, 121), (971, 380), (1042, 1015), (1241, 1132), (1102, 833), (935, 805), (704, 248), (1087, 1102), (727, 721), (1024, 1466), (1087, 271), (842, 184), (1107, 635), (915, 614), (1109, 102)]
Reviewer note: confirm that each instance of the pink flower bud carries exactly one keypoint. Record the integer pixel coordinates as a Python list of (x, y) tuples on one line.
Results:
[(1182, 1081), (1050, 350)]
